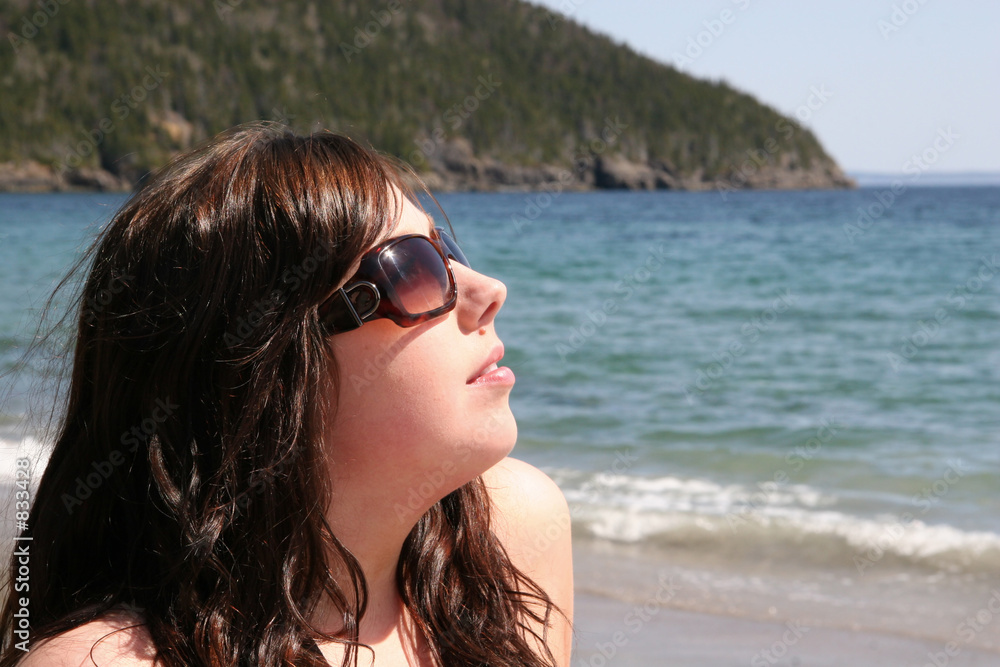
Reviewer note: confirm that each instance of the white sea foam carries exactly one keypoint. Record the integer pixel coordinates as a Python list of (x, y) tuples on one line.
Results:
[(792, 521)]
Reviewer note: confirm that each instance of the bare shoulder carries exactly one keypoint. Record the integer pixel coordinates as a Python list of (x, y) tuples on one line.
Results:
[(521, 491), (114, 640), (532, 520)]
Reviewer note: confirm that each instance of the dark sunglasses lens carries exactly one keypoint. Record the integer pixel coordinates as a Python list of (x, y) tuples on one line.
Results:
[(417, 274), (453, 250)]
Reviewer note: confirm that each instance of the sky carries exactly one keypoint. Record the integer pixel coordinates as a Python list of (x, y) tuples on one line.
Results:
[(878, 81)]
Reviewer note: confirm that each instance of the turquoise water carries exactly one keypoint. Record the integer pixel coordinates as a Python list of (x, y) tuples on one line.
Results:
[(758, 383)]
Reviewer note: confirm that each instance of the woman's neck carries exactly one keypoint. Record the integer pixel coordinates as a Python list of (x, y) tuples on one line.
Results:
[(375, 537)]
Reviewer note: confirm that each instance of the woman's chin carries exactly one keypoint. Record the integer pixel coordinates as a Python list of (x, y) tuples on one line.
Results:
[(496, 438)]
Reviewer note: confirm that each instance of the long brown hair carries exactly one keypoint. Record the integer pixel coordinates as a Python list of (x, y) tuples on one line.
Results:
[(186, 480)]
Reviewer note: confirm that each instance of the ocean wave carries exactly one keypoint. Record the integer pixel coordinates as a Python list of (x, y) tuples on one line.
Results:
[(795, 524)]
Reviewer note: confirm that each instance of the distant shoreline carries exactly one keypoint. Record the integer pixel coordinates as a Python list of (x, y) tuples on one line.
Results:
[(955, 179), (461, 171)]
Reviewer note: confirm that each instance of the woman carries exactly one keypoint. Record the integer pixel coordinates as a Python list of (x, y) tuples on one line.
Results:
[(285, 435)]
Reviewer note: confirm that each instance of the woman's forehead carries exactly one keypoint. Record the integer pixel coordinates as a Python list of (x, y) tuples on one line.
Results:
[(412, 220)]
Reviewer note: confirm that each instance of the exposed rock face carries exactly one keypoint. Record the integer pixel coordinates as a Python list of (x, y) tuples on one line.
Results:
[(616, 173), (456, 168), (25, 177), (90, 178), (31, 176), (787, 173)]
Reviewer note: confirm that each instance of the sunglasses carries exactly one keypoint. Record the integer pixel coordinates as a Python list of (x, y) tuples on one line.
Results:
[(407, 279)]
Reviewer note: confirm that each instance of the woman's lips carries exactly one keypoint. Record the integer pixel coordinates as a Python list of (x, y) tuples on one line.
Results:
[(493, 374), (490, 367)]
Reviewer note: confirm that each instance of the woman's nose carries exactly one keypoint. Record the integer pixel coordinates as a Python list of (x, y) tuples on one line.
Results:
[(479, 297)]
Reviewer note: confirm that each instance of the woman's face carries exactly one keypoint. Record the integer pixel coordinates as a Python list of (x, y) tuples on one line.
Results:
[(410, 426)]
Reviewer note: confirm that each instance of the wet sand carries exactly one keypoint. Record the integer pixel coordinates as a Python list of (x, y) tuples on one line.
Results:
[(610, 632)]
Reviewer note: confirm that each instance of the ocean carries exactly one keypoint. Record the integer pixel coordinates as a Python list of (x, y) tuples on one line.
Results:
[(785, 404)]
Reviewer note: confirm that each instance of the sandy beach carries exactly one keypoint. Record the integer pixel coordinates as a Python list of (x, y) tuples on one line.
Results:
[(638, 606), (609, 632)]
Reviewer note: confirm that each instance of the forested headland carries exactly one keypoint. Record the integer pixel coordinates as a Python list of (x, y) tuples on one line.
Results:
[(483, 94)]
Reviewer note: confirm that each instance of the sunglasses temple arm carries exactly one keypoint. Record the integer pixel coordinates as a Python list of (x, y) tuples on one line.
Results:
[(340, 313)]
